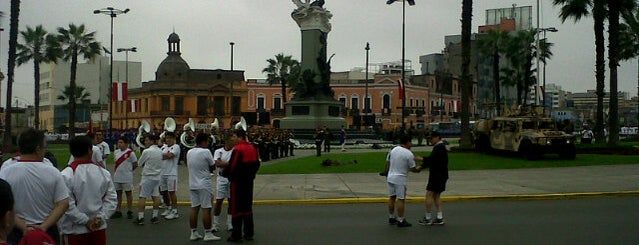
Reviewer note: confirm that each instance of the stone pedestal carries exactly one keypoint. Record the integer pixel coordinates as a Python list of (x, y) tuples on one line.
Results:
[(311, 114)]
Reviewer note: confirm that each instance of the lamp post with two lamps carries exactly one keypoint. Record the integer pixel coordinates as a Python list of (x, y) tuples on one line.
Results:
[(403, 93), (126, 75), (543, 95), (111, 12), (366, 99)]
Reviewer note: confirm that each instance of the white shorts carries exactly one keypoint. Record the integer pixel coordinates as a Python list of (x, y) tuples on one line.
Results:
[(397, 190), (202, 198), (123, 186), (168, 183), (223, 188), (149, 187)]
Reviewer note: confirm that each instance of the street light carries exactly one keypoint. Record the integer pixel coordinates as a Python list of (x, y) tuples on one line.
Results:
[(231, 99), (403, 93), (366, 102), (126, 75), (543, 94), (111, 12)]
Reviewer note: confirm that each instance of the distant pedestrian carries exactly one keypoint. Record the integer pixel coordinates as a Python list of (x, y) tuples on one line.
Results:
[(401, 160), (437, 178), (125, 163), (319, 139), (241, 172), (151, 161), (92, 197), (586, 135), (342, 138), (200, 162), (328, 136)]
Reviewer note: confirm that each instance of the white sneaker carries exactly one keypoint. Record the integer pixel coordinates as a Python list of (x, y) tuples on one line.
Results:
[(172, 215), (211, 237), (229, 227), (215, 228), (195, 236), (166, 212)]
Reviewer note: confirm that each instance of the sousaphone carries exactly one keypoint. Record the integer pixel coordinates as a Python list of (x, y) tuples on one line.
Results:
[(145, 128), (187, 138)]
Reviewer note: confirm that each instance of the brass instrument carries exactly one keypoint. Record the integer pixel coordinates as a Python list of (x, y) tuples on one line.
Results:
[(187, 138), (144, 128)]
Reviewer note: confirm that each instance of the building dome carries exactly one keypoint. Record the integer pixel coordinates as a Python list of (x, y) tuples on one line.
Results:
[(173, 67)]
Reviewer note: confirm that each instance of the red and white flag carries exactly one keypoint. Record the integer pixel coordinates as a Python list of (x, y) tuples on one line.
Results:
[(400, 83), (119, 91), (135, 105)]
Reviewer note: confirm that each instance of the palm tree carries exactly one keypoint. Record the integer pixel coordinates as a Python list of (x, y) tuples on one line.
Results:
[(492, 44), (284, 70), (34, 48), (467, 83), (613, 62), (80, 95), (629, 40), (577, 9), (72, 42), (13, 42)]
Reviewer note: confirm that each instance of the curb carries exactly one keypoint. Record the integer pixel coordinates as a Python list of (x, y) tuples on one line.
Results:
[(556, 196)]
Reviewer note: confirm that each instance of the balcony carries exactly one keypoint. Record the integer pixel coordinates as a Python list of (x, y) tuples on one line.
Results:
[(170, 113)]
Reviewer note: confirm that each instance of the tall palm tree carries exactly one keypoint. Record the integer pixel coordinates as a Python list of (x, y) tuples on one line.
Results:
[(492, 44), (34, 48), (629, 40), (284, 70), (73, 42), (467, 83), (577, 9), (613, 62), (13, 42), (80, 95)]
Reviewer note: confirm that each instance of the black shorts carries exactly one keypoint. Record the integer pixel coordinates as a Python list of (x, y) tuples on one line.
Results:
[(436, 185)]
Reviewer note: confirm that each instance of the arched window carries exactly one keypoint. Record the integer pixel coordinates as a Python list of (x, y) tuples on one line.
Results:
[(354, 101), (386, 101)]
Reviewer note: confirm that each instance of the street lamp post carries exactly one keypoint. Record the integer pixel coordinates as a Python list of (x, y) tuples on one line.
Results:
[(111, 12), (126, 75), (231, 94), (403, 93), (366, 102), (543, 94)]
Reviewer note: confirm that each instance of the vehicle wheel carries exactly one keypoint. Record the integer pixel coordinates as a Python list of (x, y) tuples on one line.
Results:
[(529, 151), (482, 144), (569, 152)]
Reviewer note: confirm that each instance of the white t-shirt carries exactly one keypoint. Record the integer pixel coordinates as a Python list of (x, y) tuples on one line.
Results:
[(124, 172), (224, 156), (104, 147), (151, 160), (39, 185), (171, 165), (96, 157), (401, 161), (199, 161)]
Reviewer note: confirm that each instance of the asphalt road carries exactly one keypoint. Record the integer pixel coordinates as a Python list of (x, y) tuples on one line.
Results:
[(570, 221)]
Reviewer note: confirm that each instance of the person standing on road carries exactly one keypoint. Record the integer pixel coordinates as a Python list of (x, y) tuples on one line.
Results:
[(169, 179), (401, 160), (437, 177), (92, 197), (241, 172), (222, 156), (125, 163), (342, 138), (199, 161), (151, 161)]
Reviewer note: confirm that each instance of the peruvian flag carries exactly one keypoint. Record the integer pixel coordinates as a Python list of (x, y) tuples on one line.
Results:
[(135, 105), (119, 91), (402, 91)]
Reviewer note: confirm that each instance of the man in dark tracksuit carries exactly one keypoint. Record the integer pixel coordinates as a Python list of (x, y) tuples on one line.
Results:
[(241, 173), (437, 177)]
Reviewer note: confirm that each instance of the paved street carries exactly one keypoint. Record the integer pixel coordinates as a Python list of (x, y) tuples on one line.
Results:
[(610, 220)]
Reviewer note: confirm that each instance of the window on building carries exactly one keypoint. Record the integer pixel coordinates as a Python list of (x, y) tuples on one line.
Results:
[(367, 103), (261, 103), (277, 103), (166, 103), (343, 101), (218, 106), (179, 105), (235, 106), (202, 105), (386, 101), (354, 103)]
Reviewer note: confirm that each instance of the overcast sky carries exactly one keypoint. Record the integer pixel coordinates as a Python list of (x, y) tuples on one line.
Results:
[(263, 28)]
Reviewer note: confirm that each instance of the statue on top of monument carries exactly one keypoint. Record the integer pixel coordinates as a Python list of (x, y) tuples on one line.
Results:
[(307, 3)]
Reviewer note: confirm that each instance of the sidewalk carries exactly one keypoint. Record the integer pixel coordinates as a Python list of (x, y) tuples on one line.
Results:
[(558, 182)]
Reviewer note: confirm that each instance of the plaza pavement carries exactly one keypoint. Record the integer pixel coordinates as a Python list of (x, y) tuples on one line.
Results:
[(537, 183)]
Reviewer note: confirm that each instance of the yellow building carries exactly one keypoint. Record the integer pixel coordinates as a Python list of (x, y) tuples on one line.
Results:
[(182, 93)]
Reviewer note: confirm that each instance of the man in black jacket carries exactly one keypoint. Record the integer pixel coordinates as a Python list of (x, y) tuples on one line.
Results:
[(437, 177)]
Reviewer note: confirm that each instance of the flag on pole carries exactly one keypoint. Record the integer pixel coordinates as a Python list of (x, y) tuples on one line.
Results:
[(135, 105), (119, 91), (402, 92)]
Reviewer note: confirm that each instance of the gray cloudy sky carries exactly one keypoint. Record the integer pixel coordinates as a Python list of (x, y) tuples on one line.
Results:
[(263, 28)]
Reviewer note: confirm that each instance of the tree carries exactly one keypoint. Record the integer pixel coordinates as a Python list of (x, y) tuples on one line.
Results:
[(613, 62), (71, 43), (577, 9), (492, 44), (283, 70), (467, 83), (13, 42), (34, 48), (80, 95), (629, 39)]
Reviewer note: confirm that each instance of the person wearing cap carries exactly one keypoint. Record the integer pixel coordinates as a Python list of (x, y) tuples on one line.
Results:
[(92, 197), (7, 214), (151, 161), (437, 162)]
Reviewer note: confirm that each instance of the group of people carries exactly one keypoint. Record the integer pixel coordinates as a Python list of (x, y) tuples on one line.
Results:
[(399, 161)]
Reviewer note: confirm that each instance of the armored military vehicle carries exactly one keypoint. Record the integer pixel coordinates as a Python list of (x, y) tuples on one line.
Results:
[(526, 133)]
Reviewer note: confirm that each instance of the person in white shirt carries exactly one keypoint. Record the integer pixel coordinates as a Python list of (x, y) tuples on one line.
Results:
[(222, 156), (97, 153), (104, 146), (401, 161), (43, 197), (92, 197), (125, 163), (151, 161), (169, 179), (200, 163)]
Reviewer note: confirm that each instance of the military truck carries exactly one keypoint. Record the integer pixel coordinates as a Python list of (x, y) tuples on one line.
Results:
[(525, 133)]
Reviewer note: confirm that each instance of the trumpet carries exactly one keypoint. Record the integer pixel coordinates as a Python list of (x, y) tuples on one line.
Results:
[(186, 138), (144, 128)]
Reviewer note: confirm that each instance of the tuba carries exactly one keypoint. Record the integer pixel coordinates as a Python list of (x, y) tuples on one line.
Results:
[(214, 127), (241, 124), (169, 125), (187, 139), (144, 128)]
